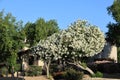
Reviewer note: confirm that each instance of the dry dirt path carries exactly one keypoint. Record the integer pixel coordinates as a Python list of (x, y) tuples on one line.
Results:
[(36, 78), (100, 79), (44, 78)]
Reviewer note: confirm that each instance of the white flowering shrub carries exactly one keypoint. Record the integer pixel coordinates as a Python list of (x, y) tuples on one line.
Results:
[(80, 39), (83, 39), (46, 48)]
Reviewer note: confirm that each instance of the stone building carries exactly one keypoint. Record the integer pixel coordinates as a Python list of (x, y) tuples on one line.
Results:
[(26, 58), (109, 52)]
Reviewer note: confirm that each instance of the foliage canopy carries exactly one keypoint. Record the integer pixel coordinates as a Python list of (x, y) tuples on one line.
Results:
[(113, 34), (39, 30), (114, 10), (80, 39), (11, 38)]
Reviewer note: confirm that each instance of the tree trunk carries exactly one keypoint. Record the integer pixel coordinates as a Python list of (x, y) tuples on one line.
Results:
[(47, 72), (81, 67), (47, 68)]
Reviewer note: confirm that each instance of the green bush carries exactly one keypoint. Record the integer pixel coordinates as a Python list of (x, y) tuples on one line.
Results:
[(54, 68), (3, 71), (72, 74), (17, 67), (98, 74), (34, 71), (69, 74), (58, 75)]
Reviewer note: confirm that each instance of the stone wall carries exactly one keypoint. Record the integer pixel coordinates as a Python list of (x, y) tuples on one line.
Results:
[(109, 51), (39, 63)]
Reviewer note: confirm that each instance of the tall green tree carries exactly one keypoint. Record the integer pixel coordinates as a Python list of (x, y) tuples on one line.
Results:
[(11, 39), (29, 30), (113, 34), (40, 29), (114, 10)]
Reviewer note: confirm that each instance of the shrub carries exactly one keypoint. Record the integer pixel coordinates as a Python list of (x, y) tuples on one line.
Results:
[(58, 75), (34, 71), (17, 67), (3, 71), (98, 74), (71, 74), (54, 68)]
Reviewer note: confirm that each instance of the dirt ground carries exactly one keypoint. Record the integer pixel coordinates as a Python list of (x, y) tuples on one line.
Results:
[(25, 78), (36, 78), (44, 78), (106, 77), (100, 79)]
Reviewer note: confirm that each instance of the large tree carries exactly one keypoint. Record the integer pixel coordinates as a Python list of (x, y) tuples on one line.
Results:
[(40, 29), (114, 10), (11, 39), (80, 39), (113, 34)]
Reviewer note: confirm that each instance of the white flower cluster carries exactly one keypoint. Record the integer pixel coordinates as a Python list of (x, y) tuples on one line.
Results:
[(79, 39)]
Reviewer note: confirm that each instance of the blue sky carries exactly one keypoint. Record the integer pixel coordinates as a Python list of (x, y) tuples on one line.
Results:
[(64, 12)]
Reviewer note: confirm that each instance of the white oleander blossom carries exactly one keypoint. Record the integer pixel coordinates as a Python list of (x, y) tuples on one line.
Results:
[(85, 38), (80, 39)]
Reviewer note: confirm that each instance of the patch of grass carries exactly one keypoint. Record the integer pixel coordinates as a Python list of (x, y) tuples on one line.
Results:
[(84, 64), (34, 71), (98, 74)]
